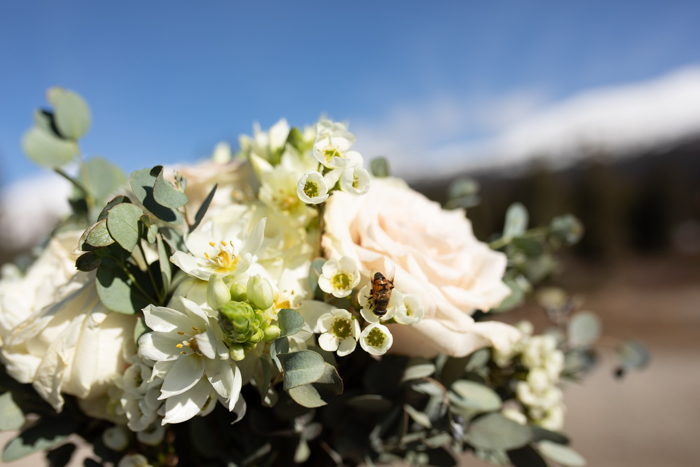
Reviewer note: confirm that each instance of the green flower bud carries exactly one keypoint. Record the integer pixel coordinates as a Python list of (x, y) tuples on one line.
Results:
[(238, 293), (260, 293), (218, 294), (257, 336), (236, 352), (238, 320), (272, 332)]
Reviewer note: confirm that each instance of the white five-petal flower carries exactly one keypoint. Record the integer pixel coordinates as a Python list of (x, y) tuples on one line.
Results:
[(396, 302), (312, 188), (213, 253), (332, 146), (411, 312), (191, 358), (355, 180), (376, 339), (339, 277), (339, 332)]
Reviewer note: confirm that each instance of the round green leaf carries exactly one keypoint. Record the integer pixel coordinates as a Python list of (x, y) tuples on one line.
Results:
[(417, 371), (633, 355), (475, 396), (123, 224), (46, 149), (42, 436), (584, 329), (515, 298), (516, 221), (321, 392), (561, 454), (370, 403), (102, 178), (88, 261), (142, 182), (290, 322), (494, 431), (11, 416), (167, 195), (72, 114), (96, 236), (117, 292), (417, 416), (379, 167), (301, 368)]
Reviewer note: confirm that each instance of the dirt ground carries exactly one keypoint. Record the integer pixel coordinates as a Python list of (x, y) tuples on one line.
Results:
[(649, 418)]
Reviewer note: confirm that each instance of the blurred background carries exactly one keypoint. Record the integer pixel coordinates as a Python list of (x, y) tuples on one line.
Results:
[(589, 108)]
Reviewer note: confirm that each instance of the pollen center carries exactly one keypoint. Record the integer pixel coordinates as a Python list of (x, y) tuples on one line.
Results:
[(342, 328), (376, 338), (341, 281), (330, 153), (311, 189), (225, 260)]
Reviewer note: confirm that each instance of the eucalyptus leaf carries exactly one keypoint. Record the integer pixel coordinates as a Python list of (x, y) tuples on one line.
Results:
[(494, 431), (417, 371), (101, 178), (539, 434), (516, 221), (516, 297), (118, 293), (261, 376), (417, 416), (72, 114), (321, 392), (49, 432), (96, 236), (561, 454), (633, 355), (379, 167), (301, 368), (526, 456), (111, 203), (279, 346), (44, 120), (142, 182), (164, 263), (11, 416), (475, 396), (531, 247), (478, 360), (584, 329), (174, 239), (88, 261), (123, 225), (370, 403), (47, 149), (166, 194), (201, 212), (140, 329), (314, 274), (290, 322)]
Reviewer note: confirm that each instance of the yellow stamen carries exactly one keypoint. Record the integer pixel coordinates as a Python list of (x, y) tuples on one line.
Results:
[(212, 243), (223, 243), (181, 333), (206, 255), (179, 346)]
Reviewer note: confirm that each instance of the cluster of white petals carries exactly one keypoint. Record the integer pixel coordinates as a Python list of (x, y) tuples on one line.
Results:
[(339, 277), (340, 332)]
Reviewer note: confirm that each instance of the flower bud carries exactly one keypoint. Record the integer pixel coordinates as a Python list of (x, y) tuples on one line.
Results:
[(257, 336), (238, 293), (260, 293), (218, 294), (236, 352), (115, 438), (272, 332), (238, 319)]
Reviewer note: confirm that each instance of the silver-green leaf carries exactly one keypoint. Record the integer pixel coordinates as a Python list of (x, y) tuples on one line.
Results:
[(166, 194), (72, 114), (290, 322), (473, 395), (516, 221), (47, 149), (301, 368), (584, 329), (123, 224), (561, 454), (11, 416), (494, 431), (320, 392)]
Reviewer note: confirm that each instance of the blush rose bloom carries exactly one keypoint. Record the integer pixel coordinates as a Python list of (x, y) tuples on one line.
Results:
[(436, 258)]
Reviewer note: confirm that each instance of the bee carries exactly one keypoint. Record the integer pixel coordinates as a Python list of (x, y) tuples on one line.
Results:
[(380, 292)]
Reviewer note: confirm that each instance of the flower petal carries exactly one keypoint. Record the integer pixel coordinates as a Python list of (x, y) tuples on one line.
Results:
[(162, 319), (255, 239), (207, 343), (347, 346), (328, 342), (184, 406), (188, 369), (220, 376), (158, 346)]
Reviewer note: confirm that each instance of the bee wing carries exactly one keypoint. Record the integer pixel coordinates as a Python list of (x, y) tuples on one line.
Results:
[(390, 276), (372, 273)]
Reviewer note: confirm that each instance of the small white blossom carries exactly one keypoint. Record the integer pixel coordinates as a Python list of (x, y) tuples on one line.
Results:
[(396, 305), (515, 415), (152, 436), (259, 292), (116, 438), (376, 339), (332, 146), (355, 180), (553, 419), (411, 312), (339, 277), (312, 188), (339, 332), (134, 460)]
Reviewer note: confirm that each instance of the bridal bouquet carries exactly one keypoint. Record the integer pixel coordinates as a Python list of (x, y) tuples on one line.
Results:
[(283, 305)]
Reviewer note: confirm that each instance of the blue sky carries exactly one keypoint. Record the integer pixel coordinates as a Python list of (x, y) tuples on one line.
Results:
[(167, 80)]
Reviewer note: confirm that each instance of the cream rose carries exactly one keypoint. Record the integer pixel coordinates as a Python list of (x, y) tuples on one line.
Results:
[(436, 258), (74, 346)]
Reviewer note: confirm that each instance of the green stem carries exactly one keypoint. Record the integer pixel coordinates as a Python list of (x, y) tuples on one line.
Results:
[(75, 183), (150, 274), (135, 282)]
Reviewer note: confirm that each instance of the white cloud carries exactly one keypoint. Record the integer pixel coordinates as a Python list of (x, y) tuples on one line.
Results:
[(448, 135)]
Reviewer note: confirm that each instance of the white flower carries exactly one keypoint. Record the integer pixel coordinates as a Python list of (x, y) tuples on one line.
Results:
[(339, 277), (115, 438), (332, 146), (376, 339), (134, 460), (312, 188), (541, 352), (214, 253), (436, 257), (396, 303), (355, 180), (152, 436), (515, 415), (259, 292), (74, 346), (268, 145), (411, 312), (339, 332), (191, 358), (553, 419)]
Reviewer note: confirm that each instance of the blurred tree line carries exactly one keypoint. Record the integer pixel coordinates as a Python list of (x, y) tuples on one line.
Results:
[(627, 205)]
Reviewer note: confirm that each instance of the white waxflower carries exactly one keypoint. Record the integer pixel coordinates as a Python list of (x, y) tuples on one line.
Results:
[(266, 144), (396, 305), (376, 339), (116, 438), (553, 419), (355, 180), (332, 146), (339, 277), (537, 349), (312, 188), (339, 332), (214, 253), (259, 292), (191, 358), (411, 312), (134, 460)]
